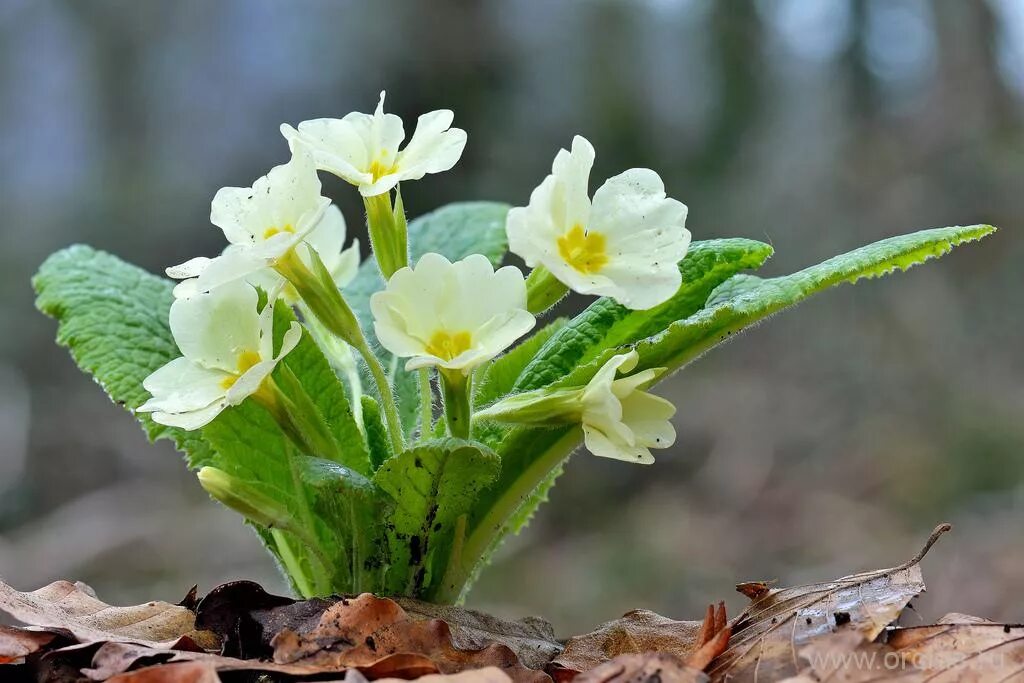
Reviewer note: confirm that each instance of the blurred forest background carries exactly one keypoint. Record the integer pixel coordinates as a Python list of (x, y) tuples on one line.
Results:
[(829, 440)]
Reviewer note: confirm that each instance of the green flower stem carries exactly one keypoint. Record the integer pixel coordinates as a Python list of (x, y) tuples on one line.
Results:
[(488, 530), (543, 290), (387, 397), (304, 415), (455, 388), (388, 232), (426, 405), (291, 563), (287, 415), (322, 296)]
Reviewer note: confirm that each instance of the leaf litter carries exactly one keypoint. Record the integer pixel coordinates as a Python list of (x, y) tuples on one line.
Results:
[(839, 630)]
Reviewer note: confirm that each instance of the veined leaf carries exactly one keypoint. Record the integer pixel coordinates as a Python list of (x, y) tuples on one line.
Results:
[(606, 324), (432, 485), (738, 305), (500, 374), (532, 458), (337, 493), (114, 319), (376, 432)]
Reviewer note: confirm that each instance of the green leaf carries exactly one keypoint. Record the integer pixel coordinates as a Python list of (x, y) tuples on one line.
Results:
[(740, 304), (532, 458), (605, 324), (454, 231), (337, 494), (376, 432), (325, 389), (112, 317), (500, 375), (432, 485)]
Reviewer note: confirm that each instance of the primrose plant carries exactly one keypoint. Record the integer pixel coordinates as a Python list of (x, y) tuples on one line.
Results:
[(383, 425)]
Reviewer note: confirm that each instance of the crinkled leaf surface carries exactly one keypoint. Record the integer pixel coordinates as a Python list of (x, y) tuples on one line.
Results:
[(113, 317), (743, 301), (432, 485), (606, 324)]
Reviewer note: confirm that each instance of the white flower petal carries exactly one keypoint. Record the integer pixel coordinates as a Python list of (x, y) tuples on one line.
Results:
[(328, 237), (434, 147), (249, 382), (193, 419), (648, 417), (213, 328), (381, 133), (475, 312), (601, 445), (290, 340), (182, 385), (288, 197), (190, 268), (571, 198), (336, 146), (230, 267), (345, 266)]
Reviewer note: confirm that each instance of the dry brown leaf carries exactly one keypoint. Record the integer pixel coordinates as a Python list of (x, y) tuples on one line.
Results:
[(640, 632), (74, 607), (18, 643), (488, 674), (652, 667), (769, 635), (184, 672), (973, 651), (532, 639), (364, 631)]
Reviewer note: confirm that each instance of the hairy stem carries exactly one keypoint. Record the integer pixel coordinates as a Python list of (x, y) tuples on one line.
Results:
[(457, 412)]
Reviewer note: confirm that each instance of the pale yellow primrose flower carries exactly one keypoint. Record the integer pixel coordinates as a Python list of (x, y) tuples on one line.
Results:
[(626, 244), (362, 149), (454, 316), (227, 351), (263, 223), (619, 419), (327, 239)]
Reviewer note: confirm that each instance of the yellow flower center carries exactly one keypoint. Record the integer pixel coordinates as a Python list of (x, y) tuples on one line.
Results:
[(273, 230), (379, 170), (446, 345), (584, 251), (246, 359)]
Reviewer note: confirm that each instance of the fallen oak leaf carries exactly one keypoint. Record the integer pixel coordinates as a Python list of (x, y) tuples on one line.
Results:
[(18, 643), (489, 674), (532, 639), (652, 667), (75, 608), (642, 632), (972, 650), (182, 672), (768, 636), (364, 631), (247, 618)]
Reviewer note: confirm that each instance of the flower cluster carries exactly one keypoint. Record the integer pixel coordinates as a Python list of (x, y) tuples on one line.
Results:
[(288, 242)]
